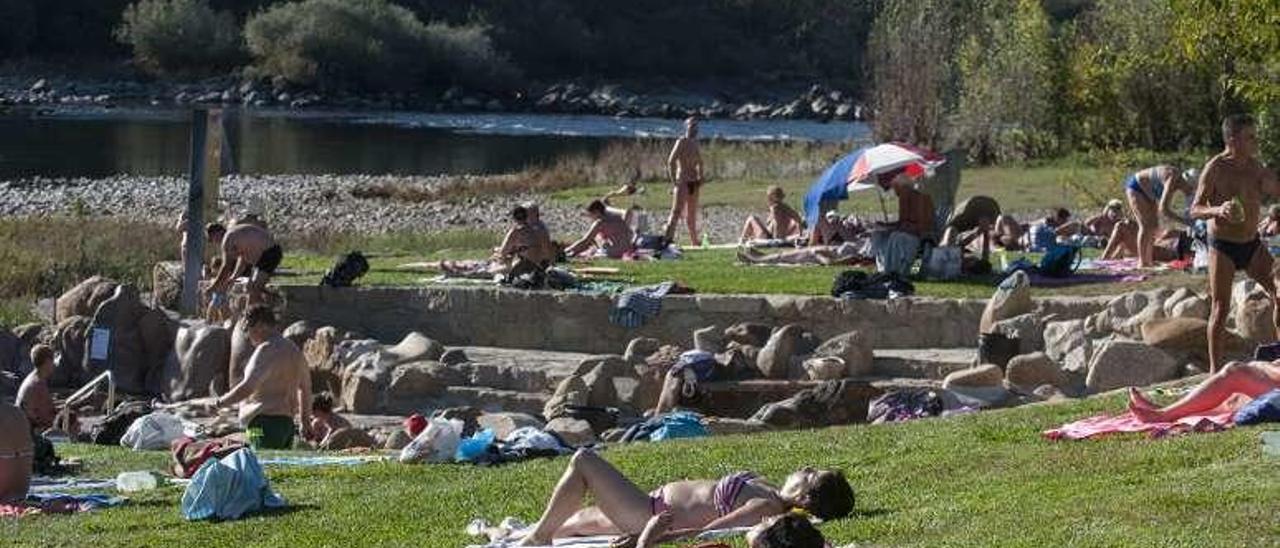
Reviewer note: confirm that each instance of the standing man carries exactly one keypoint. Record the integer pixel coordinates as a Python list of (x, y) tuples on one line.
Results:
[(684, 167), (245, 245), (1229, 197), (897, 244), (276, 386)]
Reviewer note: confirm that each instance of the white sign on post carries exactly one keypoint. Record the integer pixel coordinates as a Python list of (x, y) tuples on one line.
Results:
[(100, 348)]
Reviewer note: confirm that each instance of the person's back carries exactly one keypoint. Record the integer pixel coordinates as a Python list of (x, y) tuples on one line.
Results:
[(248, 241), (915, 212), (16, 453), (33, 396), (282, 367), (276, 384), (616, 231)]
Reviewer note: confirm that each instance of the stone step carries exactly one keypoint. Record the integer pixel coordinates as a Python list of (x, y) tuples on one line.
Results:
[(517, 370), (926, 363), (493, 400)]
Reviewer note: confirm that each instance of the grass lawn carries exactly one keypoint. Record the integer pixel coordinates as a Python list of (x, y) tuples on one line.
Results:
[(979, 480), (713, 271)]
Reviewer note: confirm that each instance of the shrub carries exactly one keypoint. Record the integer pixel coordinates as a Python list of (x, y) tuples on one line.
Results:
[(180, 36), (369, 44)]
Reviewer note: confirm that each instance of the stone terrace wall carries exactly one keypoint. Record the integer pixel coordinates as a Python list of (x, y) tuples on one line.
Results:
[(575, 322)]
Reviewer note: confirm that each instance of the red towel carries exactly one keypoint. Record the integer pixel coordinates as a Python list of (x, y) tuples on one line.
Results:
[(1215, 420)]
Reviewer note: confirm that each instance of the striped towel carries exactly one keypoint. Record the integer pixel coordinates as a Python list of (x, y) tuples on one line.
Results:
[(634, 307)]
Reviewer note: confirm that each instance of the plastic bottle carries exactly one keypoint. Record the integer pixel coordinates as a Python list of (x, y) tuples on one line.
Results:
[(706, 240), (135, 481), (1271, 443)]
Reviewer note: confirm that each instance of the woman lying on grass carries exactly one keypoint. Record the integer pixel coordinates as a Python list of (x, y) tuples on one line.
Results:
[(737, 500), (1251, 379)]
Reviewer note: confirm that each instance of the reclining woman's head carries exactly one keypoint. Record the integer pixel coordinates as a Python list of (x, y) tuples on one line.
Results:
[(790, 530), (824, 493), (519, 214), (775, 194)]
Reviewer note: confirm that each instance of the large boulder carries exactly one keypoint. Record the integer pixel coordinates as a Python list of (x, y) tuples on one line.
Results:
[(1254, 320), (599, 379), (830, 403), (347, 438), (774, 361), (320, 348), (1011, 299), (30, 333), (415, 347), (118, 318), (575, 432), (748, 333), (83, 299), (1030, 371), (300, 332), (363, 383), (1196, 307), (412, 387), (824, 368), (571, 391), (241, 350), (1026, 328), (1060, 338), (1118, 364), (709, 339), (985, 375), (1187, 340), (69, 344), (158, 334), (503, 424), (203, 352), (854, 349), (640, 348)]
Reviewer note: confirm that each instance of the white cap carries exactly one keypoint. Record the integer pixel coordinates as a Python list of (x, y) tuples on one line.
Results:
[(1191, 176)]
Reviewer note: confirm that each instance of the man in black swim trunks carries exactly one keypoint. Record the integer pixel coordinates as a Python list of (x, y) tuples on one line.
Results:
[(243, 246), (1229, 197)]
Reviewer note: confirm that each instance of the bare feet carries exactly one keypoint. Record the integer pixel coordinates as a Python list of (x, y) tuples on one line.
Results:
[(1137, 399), (1142, 408)]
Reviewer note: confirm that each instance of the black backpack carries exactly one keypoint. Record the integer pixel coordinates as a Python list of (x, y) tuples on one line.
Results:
[(345, 272)]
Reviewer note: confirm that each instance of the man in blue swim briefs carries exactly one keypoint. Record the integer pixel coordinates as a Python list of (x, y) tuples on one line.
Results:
[(1229, 198), (1150, 194)]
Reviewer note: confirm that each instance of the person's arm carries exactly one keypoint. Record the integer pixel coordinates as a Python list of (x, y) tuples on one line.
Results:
[(253, 373), (1200, 208), (747, 515), (673, 158), (304, 395), (1166, 201), (586, 241), (508, 247), (228, 269)]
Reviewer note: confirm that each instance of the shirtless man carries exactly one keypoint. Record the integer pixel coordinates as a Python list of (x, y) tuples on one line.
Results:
[(1150, 193), (1229, 198), (527, 241), (276, 386), (243, 246), (609, 232), (34, 397), (684, 167)]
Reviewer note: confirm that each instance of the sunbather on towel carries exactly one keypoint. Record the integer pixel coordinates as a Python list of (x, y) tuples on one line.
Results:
[(832, 229), (737, 500), (609, 233), (783, 222), (844, 254), (1252, 379)]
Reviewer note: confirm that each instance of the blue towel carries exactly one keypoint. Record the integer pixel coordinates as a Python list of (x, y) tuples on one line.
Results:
[(635, 307), (91, 501), (1265, 408), (229, 488)]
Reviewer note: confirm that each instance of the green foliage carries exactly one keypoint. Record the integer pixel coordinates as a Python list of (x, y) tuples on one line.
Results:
[(1006, 78), (369, 45), (180, 35)]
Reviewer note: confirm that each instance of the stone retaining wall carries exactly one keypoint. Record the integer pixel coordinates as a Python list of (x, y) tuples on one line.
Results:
[(573, 322)]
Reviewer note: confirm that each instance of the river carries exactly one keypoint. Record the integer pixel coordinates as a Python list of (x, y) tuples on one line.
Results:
[(99, 142)]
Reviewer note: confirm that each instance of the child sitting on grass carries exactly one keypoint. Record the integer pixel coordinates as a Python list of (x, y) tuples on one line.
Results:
[(736, 500)]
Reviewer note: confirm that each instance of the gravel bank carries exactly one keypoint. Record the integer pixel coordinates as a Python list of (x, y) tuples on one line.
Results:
[(306, 203)]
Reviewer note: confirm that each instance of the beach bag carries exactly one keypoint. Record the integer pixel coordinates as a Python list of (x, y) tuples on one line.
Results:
[(345, 272), (114, 425), (1060, 261), (943, 263), (437, 443), (152, 432), (1266, 408)]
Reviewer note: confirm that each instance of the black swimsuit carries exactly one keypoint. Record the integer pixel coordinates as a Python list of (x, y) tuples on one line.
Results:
[(1239, 253)]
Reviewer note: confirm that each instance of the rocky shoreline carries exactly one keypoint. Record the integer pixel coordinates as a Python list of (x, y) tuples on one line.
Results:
[(306, 204), (813, 102)]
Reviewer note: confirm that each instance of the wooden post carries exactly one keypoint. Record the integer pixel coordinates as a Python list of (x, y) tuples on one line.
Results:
[(194, 266)]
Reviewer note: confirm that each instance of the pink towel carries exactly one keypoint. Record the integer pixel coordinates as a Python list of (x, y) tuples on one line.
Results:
[(1215, 420)]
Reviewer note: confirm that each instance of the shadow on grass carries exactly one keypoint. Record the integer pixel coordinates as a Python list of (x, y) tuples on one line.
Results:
[(871, 513)]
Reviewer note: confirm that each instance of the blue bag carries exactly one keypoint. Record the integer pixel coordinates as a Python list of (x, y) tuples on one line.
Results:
[(680, 424), (474, 446), (1265, 408), (1060, 261)]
